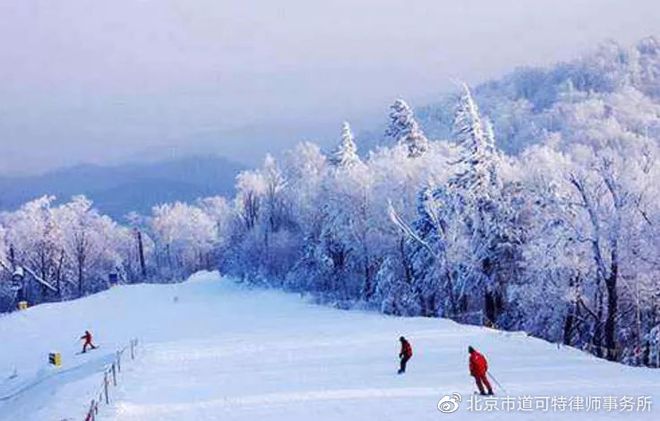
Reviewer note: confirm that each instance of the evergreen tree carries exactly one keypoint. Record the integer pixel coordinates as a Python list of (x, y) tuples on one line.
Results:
[(345, 155), (481, 210), (405, 130), (476, 141)]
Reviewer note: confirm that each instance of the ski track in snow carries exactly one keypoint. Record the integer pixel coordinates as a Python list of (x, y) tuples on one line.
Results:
[(226, 352)]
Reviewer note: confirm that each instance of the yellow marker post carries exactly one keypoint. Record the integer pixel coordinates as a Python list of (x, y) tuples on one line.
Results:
[(55, 358), (22, 305)]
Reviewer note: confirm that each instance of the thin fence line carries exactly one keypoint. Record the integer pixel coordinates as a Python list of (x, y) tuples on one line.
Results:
[(109, 379)]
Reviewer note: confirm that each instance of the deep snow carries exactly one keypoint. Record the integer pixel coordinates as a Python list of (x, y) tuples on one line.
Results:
[(222, 351)]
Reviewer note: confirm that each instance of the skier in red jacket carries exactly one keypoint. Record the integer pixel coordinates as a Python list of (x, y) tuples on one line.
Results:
[(478, 368), (405, 354), (88, 341)]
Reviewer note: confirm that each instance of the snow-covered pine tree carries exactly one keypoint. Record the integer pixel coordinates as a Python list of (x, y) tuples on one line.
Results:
[(405, 130), (494, 154), (478, 193), (478, 156), (345, 155)]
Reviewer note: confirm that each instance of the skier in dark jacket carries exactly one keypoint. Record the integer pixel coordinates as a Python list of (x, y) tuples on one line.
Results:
[(88, 341), (405, 354), (478, 369)]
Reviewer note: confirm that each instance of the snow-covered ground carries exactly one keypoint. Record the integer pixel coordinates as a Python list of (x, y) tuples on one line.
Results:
[(222, 351)]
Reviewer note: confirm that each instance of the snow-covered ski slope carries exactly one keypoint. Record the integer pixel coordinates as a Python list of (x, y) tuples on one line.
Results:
[(220, 351)]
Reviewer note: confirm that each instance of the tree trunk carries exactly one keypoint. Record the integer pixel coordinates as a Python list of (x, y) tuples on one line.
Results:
[(59, 276), (612, 310), (143, 267), (598, 330), (492, 303), (570, 317), (368, 288), (80, 279)]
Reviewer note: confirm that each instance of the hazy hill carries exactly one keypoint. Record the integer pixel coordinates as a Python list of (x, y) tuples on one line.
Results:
[(117, 190)]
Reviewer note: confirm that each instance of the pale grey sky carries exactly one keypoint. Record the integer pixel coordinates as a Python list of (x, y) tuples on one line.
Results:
[(102, 81)]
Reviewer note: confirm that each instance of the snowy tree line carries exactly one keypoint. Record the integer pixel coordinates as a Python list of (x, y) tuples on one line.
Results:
[(560, 240), (70, 250)]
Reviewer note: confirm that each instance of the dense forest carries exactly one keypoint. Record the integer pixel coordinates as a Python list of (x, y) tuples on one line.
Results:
[(532, 204)]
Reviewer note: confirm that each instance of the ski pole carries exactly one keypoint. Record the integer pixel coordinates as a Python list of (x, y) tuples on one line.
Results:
[(497, 383)]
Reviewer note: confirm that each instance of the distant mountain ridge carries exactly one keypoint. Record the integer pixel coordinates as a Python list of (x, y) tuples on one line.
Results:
[(117, 190)]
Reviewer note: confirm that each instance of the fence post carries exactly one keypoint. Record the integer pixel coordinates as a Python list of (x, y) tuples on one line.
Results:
[(104, 394), (105, 387), (90, 413)]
